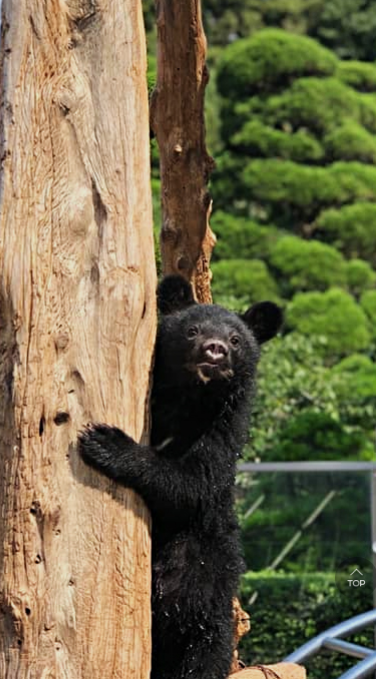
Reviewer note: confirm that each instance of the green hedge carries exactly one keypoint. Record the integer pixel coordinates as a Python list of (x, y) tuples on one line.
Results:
[(291, 609), (270, 59)]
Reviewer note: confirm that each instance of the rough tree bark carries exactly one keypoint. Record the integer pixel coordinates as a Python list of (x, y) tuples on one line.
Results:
[(77, 325), (177, 119)]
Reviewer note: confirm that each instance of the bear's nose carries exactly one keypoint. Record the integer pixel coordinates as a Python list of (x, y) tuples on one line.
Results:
[(215, 350)]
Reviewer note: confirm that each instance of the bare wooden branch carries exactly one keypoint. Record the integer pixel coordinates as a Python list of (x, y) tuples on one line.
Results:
[(177, 119), (77, 326)]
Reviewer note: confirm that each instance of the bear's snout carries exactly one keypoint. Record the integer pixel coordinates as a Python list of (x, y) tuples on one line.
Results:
[(215, 350)]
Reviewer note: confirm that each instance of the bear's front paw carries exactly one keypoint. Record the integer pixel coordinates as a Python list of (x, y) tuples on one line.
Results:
[(100, 446)]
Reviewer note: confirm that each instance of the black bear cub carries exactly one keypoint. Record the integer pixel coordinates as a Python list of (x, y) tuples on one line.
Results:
[(204, 378)]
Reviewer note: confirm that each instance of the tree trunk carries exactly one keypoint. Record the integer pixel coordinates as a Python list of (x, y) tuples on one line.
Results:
[(177, 119), (77, 326)]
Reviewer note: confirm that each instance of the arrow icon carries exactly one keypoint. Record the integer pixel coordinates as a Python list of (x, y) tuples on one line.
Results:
[(356, 571)]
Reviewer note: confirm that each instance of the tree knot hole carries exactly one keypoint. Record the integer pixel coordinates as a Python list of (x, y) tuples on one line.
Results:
[(35, 508), (182, 263), (61, 418), (42, 423)]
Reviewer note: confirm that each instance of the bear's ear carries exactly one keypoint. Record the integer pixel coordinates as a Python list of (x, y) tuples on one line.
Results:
[(264, 319), (174, 293)]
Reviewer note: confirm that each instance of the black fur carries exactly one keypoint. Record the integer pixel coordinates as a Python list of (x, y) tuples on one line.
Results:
[(204, 377)]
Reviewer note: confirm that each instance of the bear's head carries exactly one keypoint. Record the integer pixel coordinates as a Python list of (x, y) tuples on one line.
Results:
[(205, 342)]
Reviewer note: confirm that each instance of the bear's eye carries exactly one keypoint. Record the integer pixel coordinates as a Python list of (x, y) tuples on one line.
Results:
[(192, 332), (235, 340)]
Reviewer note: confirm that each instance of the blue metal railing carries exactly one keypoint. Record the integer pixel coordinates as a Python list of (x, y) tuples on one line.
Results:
[(331, 640)]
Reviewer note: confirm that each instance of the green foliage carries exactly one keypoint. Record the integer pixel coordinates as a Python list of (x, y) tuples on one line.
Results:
[(270, 59), (367, 104), (332, 314), (290, 609), (346, 26), (350, 141), (351, 229), (257, 139), (349, 27), (151, 72), (360, 276), (222, 182), (356, 180), (358, 74), (157, 219), (319, 104), (298, 391), (368, 304), (296, 119), (291, 192), (149, 14), (245, 278), (227, 19), (288, 185), (312, 435), (241, 238), (230, 18), (358, 384), (212, 120), (307, 265), (290, 506), (311, 265)]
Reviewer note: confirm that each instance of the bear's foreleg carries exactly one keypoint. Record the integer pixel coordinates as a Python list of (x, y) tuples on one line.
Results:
[(167, 485)]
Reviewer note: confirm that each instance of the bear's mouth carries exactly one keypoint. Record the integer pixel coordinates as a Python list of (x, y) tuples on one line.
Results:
[(208, 370)]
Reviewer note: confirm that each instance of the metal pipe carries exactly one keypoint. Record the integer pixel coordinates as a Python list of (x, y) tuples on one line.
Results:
[(306, 466), (353, 650), (342, 629), (361, 669), (373, 537)]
